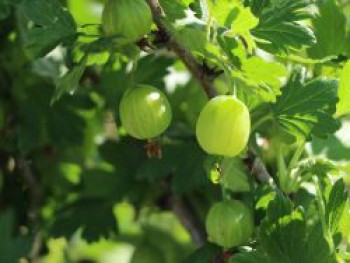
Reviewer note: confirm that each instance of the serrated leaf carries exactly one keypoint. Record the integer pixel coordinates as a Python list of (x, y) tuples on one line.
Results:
[(174, 9), (317, 247), (343, 106), (285, 237), (279, 27), (70, 81), (305, 109), (336, 205), (93, 216), (238, 19), (329, 41), (263, 77), (257, 6), (43, 25)]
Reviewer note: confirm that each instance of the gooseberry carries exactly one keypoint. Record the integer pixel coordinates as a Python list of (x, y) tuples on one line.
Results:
[(145, 112), (129, 19), (229, 224), (223, 126)]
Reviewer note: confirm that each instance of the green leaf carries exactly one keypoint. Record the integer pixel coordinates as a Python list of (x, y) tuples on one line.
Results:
[(238, 19), (151, 70), (257, 6), (343, 106), (93, 216), (174, 9), (86, 12), (279, 28), (43, 25), (285, 237), (179, 160), (307, 109), (336, 205), (234, 175), (70, 81), (193, 37), (40, 122), (274, 237), (12, 248), (328, 41), (264, 78), (317, 247)]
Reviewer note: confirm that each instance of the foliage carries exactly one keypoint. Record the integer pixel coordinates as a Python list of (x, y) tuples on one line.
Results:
[(76, 187)]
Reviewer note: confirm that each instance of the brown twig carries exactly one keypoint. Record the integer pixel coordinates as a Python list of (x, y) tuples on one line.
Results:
[(198, 71), (257, 168), (185, 214), (36, 196)]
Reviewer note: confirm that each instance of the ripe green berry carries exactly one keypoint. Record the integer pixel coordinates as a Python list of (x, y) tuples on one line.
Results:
[(223, 126), (129, 19), (229, 224), (145, 112)]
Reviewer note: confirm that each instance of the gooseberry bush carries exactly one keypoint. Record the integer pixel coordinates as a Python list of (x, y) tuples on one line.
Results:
[(171, 131)]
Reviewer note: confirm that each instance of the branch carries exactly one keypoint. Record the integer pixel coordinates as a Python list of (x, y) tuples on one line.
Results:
[(33, 186), (36, 197), (189, 220), (257, 168), (202, 74)]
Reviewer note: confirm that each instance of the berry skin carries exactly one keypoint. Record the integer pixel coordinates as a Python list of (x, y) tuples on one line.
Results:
[(229, 224), (145, 112), (128, 19), (223, 126)]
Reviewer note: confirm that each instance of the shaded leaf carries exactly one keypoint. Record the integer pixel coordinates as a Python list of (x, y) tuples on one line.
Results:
[(336, 205), (43, 25), (328, 41), (70, 81), (93, 216), (305, 109)]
